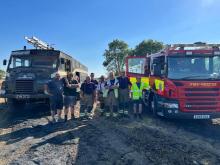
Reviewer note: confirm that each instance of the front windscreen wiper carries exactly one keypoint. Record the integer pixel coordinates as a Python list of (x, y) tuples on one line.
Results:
[(195, 77)]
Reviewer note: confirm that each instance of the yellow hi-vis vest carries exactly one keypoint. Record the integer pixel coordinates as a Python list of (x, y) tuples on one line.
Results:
[(105, 92), (144, 80), (159, 86), (137, 92)]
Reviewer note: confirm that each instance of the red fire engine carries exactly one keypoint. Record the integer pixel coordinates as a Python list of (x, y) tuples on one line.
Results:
[(184, 80)]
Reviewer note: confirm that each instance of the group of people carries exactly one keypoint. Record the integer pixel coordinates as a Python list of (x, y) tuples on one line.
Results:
[(114, 95)]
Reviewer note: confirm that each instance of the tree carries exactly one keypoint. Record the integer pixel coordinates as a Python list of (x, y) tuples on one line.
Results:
[(147, 47), (2, 74), (115, 55)]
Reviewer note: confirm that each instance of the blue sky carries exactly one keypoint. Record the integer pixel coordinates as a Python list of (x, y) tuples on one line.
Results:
[(83, 28)]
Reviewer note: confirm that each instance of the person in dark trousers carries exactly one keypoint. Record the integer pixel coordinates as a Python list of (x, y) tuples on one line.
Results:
[(124, 84), (70, 95), (54, 89), (87, 95)]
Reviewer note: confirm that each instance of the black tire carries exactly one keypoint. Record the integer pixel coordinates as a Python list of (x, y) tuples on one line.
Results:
[(15, 105)]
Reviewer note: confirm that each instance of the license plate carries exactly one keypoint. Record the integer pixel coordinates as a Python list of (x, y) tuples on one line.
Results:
[(22, 96), (201, 117)]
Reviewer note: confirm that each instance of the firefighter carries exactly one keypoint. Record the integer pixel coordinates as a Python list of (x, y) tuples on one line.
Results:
[(70, 95), (137, 97), (100, 90), (54, 89), (111, 94), (87, 95), (124, 84)]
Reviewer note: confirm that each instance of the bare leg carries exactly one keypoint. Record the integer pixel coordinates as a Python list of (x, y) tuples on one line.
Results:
[(140, 111), (66, 110), (72, 109), (59, 114), (140, 108), (135, 108), (53, 115)]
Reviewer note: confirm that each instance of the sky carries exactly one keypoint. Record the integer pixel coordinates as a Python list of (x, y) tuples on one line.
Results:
[(83, 28)]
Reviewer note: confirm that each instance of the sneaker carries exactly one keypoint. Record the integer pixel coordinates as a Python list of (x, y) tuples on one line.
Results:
[(115, 115), (53, 121)]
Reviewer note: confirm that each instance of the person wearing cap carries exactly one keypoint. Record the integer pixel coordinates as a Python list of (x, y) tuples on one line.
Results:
[(70, 94), (87, 95), (111, 94), (124, 84), (54, 88), (100, 91), (137, 89)]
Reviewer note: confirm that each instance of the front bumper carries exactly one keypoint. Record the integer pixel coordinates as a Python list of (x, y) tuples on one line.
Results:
[(24, 96), (176, 113)]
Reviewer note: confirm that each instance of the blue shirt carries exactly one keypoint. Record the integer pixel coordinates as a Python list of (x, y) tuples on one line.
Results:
[(124, 82), (88, 88), (55, 87)]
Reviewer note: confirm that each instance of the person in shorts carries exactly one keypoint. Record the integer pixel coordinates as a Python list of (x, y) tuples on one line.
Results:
[(70, 94), (137, 97), (54, 89)]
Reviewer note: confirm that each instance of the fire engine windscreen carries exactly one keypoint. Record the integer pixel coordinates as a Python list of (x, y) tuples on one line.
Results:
[(194, 67), (33, 61), (136, 65)]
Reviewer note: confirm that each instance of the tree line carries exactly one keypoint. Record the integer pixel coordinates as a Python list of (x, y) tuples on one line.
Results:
[(118, 50)]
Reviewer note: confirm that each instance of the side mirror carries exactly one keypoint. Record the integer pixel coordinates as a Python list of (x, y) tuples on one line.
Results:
[(156, 70), (4, 62)]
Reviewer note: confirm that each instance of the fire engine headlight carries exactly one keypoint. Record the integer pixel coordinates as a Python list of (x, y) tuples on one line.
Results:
[(171, 105)]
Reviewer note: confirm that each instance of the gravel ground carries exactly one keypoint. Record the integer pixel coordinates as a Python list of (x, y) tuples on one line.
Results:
[(26, 137)]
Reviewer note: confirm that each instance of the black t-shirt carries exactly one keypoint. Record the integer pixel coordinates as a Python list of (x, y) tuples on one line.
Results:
[(69, 91), (95, 82), (88, 88), (124, 82)]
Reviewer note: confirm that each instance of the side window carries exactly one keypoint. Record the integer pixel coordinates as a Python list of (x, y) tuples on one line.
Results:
[(62, 64), (216, 64), (158, 66), (68, 66)]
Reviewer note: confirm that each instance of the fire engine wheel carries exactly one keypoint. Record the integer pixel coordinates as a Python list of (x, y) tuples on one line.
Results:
[(15, 105)]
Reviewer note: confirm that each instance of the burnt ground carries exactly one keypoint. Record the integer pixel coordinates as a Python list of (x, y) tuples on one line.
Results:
[(26, 137)]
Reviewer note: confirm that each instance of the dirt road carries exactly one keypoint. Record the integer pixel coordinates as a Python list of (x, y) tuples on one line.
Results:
[(26, 137)]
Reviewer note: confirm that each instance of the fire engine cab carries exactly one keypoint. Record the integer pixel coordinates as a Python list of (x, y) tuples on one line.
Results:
[(183, 80)]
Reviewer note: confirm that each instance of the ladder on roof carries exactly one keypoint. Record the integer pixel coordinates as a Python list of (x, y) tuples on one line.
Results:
[(38, 44), (198, 45)]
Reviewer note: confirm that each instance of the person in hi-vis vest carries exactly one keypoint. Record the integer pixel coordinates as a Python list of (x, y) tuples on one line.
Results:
[(111, 95), (137, 97)]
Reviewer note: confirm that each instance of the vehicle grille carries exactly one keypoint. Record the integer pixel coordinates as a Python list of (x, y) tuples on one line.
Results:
[(201, 99), (24, 86)]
